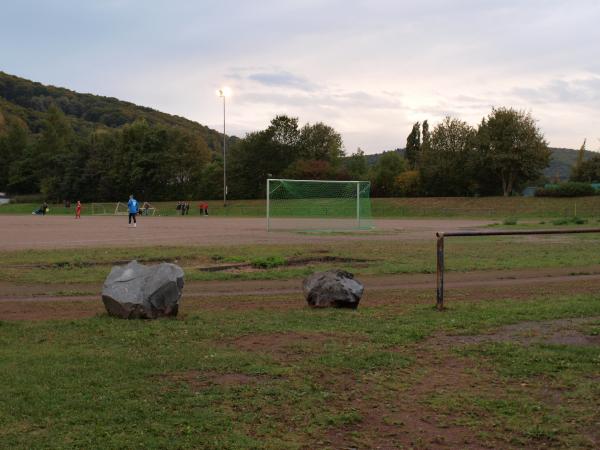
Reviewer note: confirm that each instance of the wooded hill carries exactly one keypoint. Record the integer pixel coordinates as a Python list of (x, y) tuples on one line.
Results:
[(67, 145), (29, 102)]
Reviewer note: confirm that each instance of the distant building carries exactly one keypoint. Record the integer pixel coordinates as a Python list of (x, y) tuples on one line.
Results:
[(3, 198)]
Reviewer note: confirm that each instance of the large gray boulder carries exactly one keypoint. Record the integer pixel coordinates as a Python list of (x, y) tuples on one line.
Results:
[(136, 291), (333, 288)]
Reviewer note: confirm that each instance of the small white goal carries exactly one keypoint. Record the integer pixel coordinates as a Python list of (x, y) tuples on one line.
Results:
[(120, 209)]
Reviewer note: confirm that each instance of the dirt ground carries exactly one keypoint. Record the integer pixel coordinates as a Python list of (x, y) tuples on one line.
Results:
[(42, 302), (398, 418), (20, 232)]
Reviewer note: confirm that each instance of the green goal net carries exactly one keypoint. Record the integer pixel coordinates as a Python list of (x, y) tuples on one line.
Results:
[(318, 205)]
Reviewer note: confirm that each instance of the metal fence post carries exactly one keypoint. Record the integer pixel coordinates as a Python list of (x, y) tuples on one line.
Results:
[(440, 248), (440, 271)]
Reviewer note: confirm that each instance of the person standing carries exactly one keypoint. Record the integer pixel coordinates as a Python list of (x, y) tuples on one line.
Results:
[(78, 210), (132, 207)]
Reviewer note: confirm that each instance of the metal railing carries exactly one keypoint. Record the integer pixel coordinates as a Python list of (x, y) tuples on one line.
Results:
[(440, 249)]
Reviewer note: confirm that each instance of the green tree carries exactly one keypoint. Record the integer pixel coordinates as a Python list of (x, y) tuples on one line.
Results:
[(413, 146), (356, 165), (408, 183), (55, 151), (512, 147), (383, 176), (278, 150), (320, 142), (446, 164), (580, 159), (13, 143), (588, 171), (185, 160), (426, 137)]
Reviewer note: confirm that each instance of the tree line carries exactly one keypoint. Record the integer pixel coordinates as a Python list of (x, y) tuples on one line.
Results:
[(506, 151), (158, 162), (155, 162)]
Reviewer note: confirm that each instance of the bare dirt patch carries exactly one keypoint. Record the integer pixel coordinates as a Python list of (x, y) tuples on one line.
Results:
[(399, 416), (50, 310), (560, 332), (286, 347)]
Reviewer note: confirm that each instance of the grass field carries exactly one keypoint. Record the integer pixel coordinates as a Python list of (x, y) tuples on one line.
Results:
[(382, 375), (514, 362), (268, 262), (472, 207)]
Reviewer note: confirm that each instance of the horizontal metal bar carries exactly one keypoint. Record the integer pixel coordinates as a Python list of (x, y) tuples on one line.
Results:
[(515, 232), (318, 181)]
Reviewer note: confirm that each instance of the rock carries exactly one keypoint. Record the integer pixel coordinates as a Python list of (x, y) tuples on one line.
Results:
[(333, 288), (136, 291)]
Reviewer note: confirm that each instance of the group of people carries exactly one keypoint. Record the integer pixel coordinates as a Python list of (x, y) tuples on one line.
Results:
[(43, 209), (133, 209), (183, 207)]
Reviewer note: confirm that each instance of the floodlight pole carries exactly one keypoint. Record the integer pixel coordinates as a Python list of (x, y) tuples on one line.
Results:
[(224, 155), (358, 204), (268, 204)]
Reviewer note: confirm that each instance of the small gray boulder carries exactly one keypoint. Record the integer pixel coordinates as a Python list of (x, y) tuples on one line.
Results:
[(136, 291), (333, 288)]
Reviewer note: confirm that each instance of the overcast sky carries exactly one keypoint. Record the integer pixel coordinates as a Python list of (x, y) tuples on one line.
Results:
[(369, 68)]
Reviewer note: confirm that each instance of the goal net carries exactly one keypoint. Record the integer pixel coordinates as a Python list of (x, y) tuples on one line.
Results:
[(120, 209), (307, 205), (104, 209)]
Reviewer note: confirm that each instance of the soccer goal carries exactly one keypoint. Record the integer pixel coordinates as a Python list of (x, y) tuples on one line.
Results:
[(313, 205), (120, 209), (104, 209)]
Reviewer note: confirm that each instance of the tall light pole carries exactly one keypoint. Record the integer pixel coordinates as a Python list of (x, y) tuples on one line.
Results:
[(224, 92)]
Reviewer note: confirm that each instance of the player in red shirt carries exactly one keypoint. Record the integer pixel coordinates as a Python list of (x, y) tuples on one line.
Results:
[(78, 210)]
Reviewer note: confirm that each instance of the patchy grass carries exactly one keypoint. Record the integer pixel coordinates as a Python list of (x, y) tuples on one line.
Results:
[(277, 261), (300, 378)]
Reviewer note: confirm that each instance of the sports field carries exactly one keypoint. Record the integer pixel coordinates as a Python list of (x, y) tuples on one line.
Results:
[(513, 363)]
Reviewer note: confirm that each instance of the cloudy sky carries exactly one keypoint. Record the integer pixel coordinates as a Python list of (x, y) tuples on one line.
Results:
[(369, 68)]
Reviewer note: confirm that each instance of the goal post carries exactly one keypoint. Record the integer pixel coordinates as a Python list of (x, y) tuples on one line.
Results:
[(318, 205)]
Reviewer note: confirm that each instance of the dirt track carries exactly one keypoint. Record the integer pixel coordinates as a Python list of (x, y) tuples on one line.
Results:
[(51, 301), (31, 302), (37, 232)]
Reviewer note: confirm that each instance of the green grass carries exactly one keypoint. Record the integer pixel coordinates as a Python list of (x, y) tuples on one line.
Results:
[(270, 261), (108, 383), (434, 207)]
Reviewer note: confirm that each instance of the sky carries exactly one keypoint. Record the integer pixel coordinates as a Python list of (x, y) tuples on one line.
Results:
[(369, 68)]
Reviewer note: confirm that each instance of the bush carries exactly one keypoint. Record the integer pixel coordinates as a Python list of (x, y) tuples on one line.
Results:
[(268, 262), (569, 220), (510, 221), (570, 189)]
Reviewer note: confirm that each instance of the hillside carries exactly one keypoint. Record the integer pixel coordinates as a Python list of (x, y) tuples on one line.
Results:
[(29, 101)]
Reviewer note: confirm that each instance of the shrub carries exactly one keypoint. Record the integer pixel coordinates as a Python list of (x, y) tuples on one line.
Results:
[(570, 189), (268, 262), (569, 220), (510, 221)]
